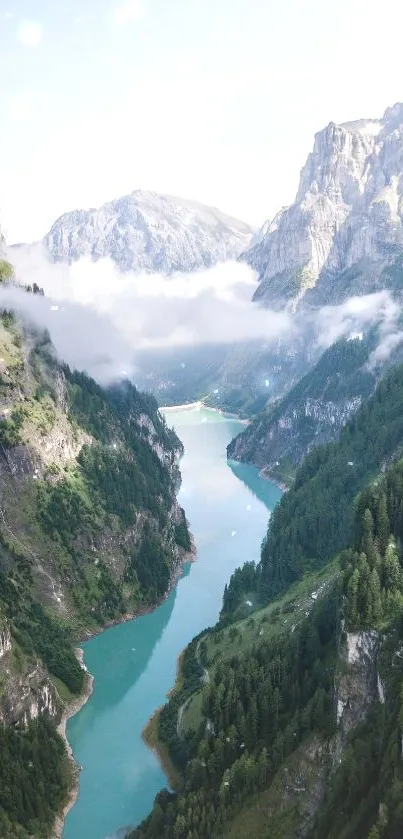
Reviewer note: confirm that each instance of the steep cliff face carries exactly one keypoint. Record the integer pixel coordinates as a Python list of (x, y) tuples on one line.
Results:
[(90, 531), (357, 683), (90, 527), (348, 212), (28, 691), (311, 413), (147, 232)]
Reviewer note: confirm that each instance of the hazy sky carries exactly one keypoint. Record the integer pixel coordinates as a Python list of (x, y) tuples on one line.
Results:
[(216, 100)]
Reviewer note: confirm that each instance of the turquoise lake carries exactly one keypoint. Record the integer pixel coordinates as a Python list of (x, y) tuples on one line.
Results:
[(134, 664)]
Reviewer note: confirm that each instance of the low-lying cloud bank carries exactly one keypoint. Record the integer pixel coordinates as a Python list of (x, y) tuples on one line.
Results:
[(99, 319), (151, 310)]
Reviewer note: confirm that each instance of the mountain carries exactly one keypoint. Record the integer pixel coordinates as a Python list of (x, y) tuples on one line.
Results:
[(286, 717), (147, 232), (312, 412), (90, 531), (343, 236), (345, 227), (237, 379)]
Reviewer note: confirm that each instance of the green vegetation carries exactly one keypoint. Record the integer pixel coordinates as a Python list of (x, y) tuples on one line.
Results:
[(150, 565), (10, 429), (35, 774), (314, 519), (37, 632), (313, 410), (6, 271), (83, 539), (182, 536), (117, 483), (259, 706), (256, 702), (364, 796), (373, 573), (34, 779), (339, 374), (64, 508)]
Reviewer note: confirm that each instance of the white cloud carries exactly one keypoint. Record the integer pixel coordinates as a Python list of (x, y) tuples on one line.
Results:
[(119, 315), (128, 13), (385, 348), (356, 314), (30, 33), (114, 317)]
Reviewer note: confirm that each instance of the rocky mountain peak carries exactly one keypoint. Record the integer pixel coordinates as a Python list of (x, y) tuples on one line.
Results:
[(393, 116), (348, 208), (148, 232)]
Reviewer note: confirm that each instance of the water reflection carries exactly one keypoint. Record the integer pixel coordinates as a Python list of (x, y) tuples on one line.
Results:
[(126, 649), (261, 488)]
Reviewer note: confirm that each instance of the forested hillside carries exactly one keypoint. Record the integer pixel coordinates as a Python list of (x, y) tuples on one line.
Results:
[(90, 530), (257, 708), (314, 518), (287, 717), (312, 412)]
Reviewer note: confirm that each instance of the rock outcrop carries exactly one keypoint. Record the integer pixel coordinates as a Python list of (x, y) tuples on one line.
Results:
[(348, 212), (311, 413)]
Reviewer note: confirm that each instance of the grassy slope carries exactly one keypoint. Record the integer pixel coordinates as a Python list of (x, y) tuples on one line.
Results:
[(277, 617)]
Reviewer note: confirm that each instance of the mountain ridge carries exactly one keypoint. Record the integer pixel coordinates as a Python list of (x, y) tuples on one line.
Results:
[(147, 232), (348, 207), (90, 531)]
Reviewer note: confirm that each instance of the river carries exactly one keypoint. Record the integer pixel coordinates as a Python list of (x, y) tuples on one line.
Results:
[(134, 664)]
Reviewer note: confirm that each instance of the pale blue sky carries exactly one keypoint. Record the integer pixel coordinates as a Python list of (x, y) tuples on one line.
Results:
[(216, 100)]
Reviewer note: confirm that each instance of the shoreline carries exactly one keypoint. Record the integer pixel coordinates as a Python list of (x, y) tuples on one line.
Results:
[(193, 406), (71, 710), (188, 406), (267, 476), (73, 707), (150, 734), (188, 556)]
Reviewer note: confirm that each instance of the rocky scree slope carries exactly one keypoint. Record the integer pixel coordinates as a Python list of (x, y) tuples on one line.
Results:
[(147, 232), (344, 230), (90, 530)]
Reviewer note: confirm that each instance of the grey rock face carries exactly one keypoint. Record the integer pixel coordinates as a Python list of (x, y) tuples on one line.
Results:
[(27, 692), (148, 232), (312, 412), (348, 208)]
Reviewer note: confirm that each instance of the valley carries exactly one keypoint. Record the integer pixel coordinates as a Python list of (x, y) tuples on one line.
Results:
[(134, 664), (257, 690), (275, 705)]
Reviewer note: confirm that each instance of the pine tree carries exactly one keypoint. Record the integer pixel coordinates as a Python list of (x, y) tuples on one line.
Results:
[(368, 543), (383, 524), (352, 594), (392, 569), (375, 593)]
